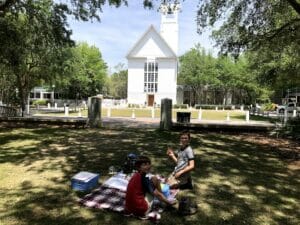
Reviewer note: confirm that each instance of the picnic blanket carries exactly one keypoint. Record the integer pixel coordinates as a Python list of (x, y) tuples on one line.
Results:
[(111, 195), (105, 197)]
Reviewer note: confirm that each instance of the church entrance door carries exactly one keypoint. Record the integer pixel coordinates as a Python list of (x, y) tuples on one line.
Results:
[(150, 100)]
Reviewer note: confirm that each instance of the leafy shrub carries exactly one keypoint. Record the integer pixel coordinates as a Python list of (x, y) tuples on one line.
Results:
[(180, 106), (133, 106), (40, 102), (269, 106), (213, 107)]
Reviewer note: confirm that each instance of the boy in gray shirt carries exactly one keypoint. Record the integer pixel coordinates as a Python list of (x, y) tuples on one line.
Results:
[(185, 162)]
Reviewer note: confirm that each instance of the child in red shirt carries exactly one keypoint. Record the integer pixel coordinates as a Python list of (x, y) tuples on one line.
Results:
[(142, 189)]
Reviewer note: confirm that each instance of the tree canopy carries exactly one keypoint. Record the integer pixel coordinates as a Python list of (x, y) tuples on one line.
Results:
[(31, 45), (118, 82), (253, 24), (86, 72), (214, 80), (81, 9)]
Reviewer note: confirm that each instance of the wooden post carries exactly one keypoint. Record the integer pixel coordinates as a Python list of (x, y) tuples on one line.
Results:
[(108, 112), (228, 116), (66, 110), (294, 113), (200, 114), (152, 112), (247, 116)]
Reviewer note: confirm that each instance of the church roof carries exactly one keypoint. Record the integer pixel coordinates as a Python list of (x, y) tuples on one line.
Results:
[(151, 44)]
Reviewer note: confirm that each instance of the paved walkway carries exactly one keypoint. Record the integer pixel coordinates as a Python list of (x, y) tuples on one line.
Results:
[(128, 122), (122, 122)]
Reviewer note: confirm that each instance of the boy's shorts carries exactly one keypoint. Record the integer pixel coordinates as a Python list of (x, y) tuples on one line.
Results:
[(178, 181)]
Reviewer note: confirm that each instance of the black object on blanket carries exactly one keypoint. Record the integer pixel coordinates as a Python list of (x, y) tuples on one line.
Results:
[(129, 164)]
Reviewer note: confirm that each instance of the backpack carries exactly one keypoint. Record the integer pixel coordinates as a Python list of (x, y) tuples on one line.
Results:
[(129, 164), (187, 206)]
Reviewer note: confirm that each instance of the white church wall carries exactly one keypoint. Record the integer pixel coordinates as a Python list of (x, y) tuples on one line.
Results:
[(166, 81), (167, 76), (135, 89)]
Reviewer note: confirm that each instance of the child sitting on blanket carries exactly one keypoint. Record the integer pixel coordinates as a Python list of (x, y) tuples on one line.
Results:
[(142, 189), (184, 159)]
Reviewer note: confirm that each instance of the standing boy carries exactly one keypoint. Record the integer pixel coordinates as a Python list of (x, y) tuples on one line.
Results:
[(185, 163)]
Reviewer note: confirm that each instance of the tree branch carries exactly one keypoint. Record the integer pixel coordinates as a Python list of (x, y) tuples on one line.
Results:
[(281, 29), (4, 6), (295, 4)]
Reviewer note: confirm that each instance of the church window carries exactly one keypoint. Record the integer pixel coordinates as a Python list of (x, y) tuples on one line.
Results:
[(150, 76)]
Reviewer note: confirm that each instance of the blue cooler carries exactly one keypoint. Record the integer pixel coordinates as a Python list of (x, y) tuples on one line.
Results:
[(84, 181)]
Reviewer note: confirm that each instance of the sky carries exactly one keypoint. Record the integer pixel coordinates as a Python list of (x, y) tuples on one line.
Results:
[(120, 28)]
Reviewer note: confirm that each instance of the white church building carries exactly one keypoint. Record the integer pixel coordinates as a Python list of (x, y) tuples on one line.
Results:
[(153, 61)]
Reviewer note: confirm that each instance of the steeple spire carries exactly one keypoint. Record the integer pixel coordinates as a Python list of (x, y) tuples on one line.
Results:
[(169, 22)]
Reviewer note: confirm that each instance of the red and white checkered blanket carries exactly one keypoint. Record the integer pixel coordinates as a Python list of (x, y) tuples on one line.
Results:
[(111, 195), (105, 198)]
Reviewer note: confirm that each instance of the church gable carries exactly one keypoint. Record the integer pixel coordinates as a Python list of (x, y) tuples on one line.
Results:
[(151, 44)]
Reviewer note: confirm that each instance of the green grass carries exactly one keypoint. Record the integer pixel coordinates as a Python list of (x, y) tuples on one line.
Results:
[(146, 113), (240, 179)]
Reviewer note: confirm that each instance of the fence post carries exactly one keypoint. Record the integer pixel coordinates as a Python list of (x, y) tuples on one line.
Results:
[(228, 116), (133, 114), (108, 112), (294, 113), (285, 119), (152, 113), (200, 114), (247, 116), (66, 110)]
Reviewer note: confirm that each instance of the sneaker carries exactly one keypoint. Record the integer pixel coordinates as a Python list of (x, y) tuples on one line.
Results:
[(127, 214), (143, 217), (154, 216)]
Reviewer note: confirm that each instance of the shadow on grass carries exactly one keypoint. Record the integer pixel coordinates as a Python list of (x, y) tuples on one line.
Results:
[(256, 118), (238, 182)]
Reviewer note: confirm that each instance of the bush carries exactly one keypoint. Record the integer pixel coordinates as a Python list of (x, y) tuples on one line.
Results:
[(269, 106), (213, 107), (134, 106), (180, 106), (40, 102)]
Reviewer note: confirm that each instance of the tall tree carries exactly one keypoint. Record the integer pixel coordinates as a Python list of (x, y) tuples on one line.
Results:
[(31, 42), (197, 70), (118, 82), (87, 73)]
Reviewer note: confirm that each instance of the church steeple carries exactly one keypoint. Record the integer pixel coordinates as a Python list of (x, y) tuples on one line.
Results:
[(169, 23)]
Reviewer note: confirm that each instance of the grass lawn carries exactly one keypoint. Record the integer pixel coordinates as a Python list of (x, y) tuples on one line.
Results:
[(235, 115), (240, 178)]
